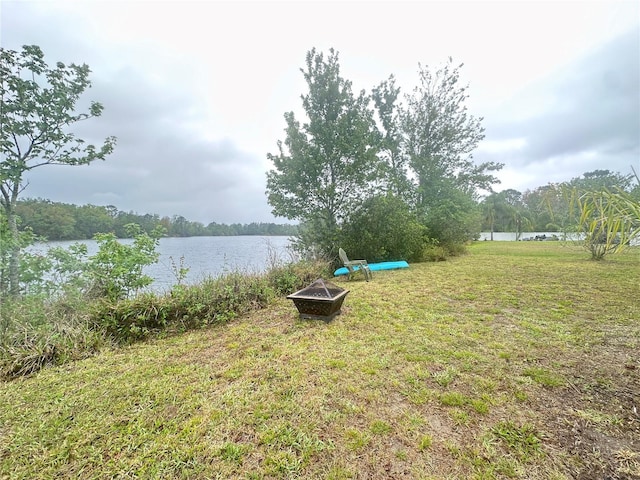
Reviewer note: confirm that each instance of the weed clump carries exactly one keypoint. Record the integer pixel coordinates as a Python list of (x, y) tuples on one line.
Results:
[(35, 333)]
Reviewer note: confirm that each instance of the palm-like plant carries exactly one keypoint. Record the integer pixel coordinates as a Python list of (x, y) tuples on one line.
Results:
[(607, 221)]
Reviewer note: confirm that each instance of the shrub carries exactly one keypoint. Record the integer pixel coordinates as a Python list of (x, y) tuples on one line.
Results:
[(43, 332), (454, 221), (185, 307), (432, 252), (115, 271), (456, 249), (606, 221), (383, 229), (286, 279)]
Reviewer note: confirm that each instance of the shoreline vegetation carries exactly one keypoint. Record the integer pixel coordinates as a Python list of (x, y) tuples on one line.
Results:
[(514, 360), (62, 221)]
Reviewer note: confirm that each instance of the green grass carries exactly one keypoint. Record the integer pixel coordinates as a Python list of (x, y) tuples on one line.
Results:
[(517, 360)]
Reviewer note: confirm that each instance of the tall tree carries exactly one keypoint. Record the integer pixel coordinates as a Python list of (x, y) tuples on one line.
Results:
[(496, 212), (598, 180), (548, 207), (490, 212), (326, 164), (92, 219), (396, 178), (37, 109), (440, 136)]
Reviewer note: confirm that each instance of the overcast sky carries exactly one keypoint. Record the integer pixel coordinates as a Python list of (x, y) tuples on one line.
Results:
[(195, 92)]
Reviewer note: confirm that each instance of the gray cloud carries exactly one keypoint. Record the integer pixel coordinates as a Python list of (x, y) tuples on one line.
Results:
[(586, 116), (159, 165), (163, 162), (180, 108)]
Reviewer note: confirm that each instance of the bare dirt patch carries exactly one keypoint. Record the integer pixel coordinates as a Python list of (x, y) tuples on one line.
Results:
[(596, 419)]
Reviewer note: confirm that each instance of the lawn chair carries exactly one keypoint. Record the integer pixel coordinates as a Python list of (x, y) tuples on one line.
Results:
[(354, 265)]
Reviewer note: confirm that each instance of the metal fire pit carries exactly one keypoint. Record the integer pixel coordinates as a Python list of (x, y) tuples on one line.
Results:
[(321, 300)]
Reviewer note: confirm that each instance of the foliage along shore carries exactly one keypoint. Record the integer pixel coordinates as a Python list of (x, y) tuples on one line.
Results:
[(63, 221), (518, 360), (37, 331)]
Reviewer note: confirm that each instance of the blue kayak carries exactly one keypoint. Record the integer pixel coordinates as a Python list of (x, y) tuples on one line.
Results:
[(374, 267)]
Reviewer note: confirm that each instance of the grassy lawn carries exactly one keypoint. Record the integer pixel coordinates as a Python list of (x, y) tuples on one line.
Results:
[(517, 360)]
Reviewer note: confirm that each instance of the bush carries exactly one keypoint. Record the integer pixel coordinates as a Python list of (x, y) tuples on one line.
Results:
[(115, 271), (286, 279), (454, 221), (383, 229), (185, 307), (316, 239), (36, 332), (432, 252), (607, 221)]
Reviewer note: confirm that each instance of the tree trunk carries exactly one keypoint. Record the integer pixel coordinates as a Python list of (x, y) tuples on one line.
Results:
[(14, 258)]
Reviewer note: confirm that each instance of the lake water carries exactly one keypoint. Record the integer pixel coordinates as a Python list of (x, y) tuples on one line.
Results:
[(511, 236), (204, 256), (212, 256)]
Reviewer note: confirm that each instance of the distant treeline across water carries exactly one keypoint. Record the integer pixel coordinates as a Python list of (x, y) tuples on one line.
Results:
[(63, 221)]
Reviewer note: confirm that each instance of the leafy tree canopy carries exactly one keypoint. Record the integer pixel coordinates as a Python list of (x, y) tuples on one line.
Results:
[(327, 163), (421, 153), (63, 221), (598, 180), (439, 137), (38, 108)]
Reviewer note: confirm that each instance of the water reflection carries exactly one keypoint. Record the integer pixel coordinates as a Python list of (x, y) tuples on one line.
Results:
[(203, 256)]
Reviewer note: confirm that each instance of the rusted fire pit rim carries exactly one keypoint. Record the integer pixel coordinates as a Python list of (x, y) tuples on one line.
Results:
[(319, 290)]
